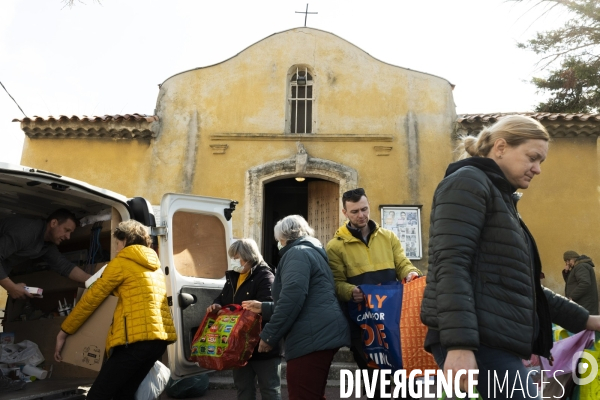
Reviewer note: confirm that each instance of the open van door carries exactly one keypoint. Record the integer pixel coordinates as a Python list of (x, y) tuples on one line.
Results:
[(194, 235)]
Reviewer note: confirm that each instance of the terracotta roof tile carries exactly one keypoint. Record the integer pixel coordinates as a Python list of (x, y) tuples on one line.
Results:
[(128, 126), (103, 118), (536, 115), (557, 124)]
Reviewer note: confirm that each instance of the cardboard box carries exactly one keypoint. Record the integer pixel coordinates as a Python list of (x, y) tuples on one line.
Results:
[(86, 347)]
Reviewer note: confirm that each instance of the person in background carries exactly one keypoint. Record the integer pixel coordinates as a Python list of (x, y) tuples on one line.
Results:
[(142, 325), (23, 239), (363, 253), (580, 281), (483, 303), (251, 279), (304, 310)]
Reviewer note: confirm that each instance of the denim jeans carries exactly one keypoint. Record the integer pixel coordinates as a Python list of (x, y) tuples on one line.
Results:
[(494, 367), (268, 373), (125, 369)]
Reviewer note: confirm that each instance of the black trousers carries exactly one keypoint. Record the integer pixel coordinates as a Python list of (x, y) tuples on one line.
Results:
[(125, 369)]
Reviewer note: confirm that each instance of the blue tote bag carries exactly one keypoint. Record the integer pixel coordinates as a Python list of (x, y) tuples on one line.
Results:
[(379, 318)]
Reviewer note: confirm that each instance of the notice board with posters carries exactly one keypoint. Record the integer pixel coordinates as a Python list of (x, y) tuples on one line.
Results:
[(405, 222)]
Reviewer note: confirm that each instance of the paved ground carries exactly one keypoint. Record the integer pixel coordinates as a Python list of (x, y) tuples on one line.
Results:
[(331, 393)]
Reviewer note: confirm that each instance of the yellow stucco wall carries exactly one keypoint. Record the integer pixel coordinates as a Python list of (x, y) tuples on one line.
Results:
[(355, 94), (3, 298), (119, 166), (562, 206)]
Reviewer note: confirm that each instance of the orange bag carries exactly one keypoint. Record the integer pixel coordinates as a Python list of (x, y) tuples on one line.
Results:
[(412, 330), (226, 339)]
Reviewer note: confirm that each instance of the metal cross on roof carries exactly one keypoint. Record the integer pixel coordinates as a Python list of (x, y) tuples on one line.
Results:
[(305, 13)]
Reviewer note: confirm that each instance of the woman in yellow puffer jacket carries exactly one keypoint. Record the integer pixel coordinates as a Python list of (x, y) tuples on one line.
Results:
[(142, 325)]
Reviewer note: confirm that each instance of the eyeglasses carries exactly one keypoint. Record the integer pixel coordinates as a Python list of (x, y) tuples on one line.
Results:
[(353, 192)]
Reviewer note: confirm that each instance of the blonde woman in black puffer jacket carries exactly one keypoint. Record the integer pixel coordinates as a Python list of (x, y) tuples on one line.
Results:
[(484, 304)]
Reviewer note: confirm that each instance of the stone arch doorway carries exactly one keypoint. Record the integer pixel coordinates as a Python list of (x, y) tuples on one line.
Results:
[(339, 177), (317, 200)]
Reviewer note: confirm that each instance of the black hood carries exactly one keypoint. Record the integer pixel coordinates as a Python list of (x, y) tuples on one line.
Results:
[(584, 259), (487, 165)]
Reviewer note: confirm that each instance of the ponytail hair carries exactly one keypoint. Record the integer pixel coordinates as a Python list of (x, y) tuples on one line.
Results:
[(515, 129)]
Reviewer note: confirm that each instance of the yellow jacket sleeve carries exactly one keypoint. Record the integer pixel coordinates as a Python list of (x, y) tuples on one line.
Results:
[(111, 278), (401, 262), (343, 289)]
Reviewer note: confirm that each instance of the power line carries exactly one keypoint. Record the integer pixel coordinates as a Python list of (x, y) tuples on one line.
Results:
[(13, 99)]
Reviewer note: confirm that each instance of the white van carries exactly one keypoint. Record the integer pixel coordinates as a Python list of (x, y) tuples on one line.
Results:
[(193, 234)]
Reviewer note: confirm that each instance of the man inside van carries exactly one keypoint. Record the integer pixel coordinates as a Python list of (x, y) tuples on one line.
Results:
[(24, 239)]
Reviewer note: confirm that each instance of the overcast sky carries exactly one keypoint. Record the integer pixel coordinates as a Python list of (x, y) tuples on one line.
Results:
[(108, 58)]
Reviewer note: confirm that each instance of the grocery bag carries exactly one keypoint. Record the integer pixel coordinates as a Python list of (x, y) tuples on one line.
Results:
[(563, 352), (559, 333), (226, 338), (379, 318), (25, 352), (412, 330), (186, 388), (154, 383)]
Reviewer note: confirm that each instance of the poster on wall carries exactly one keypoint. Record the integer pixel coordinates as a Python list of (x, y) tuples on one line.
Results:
[(405, 222)]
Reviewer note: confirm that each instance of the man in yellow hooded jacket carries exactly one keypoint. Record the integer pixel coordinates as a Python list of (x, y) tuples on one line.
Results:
[(142, 325), (360, 253)]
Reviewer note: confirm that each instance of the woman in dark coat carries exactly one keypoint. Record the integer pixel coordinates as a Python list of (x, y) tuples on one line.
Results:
[(484, 304), (251, 279), (305, 310)]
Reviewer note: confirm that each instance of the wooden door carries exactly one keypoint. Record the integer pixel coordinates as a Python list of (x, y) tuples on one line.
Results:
[(323, 209)]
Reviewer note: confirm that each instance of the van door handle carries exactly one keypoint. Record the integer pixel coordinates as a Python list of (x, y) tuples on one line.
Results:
[(186, 300)]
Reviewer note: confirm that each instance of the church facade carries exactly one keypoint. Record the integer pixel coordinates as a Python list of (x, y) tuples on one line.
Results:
[(291, 122), (301, 105)]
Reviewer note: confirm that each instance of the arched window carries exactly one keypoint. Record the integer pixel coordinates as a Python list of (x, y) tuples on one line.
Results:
[(301, 101)]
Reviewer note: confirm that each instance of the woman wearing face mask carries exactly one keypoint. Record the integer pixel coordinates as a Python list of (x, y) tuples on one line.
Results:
[(250, 278)]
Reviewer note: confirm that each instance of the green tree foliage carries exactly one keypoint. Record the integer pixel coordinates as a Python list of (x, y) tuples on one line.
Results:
[(574, 86)]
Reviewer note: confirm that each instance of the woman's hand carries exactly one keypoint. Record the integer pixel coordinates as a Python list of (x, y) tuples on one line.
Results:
[(252, 305), (263, 347), (593, 323), (457, 360), (213, 307), (411, 276), (60, 342)]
